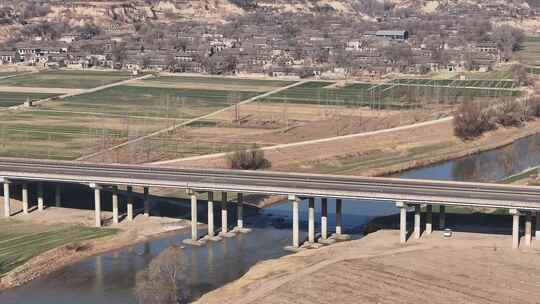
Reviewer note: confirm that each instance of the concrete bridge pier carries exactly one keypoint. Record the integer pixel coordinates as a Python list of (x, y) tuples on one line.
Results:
[(129, 205), (25, 198), (194, 232), (402, 222), (40, 196), (324, 223), (311, 220), (7, 201), (97, 203), (339, 236), (417, 219), (293, 199), (211, 233), (57, 196), (528, 229), (146, 201), (515, 228), (429, 219), (240, 215), (442, 217), (115, 204), (537, 226), (224, 218)]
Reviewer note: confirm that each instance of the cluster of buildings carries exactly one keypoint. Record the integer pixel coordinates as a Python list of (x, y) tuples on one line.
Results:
[(276, 45)]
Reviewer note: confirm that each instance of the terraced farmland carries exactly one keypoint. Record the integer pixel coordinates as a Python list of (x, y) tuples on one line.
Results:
[(19, 241), (65, 79), (8, 99)]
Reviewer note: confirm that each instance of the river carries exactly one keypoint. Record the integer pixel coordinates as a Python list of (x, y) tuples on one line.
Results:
[(113, 277)]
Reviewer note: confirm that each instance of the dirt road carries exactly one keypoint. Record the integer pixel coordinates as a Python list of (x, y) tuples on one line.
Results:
[(468, 268)]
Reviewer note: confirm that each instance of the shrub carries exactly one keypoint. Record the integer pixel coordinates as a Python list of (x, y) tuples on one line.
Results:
[(511, 113), (249, 159), (471, 120), (533, 106)]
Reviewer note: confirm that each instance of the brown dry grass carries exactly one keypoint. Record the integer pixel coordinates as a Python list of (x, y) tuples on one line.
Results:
[(468, 268)]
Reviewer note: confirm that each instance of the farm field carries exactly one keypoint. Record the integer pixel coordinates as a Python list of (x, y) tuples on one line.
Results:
[(42, 133), (66, 79), (476, 83), (152, 101), (401, 93), (530, 51), (8, 99), (20, 241), (212, 83), (87, 123)]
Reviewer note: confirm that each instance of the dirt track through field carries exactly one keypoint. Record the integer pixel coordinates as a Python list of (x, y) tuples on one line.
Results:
[(41, 90)]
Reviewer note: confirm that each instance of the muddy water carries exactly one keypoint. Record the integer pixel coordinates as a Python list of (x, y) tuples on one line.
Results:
[(114, 277)]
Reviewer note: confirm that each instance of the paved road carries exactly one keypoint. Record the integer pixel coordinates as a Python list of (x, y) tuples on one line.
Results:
[(267, 182)]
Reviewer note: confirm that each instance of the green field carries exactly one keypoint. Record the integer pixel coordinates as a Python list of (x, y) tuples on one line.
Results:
[(216, 83), (152, 102), (8, 99), (402, 93), (65, 79), (41, 133), (476, 83), (20, 241), (530, 51)]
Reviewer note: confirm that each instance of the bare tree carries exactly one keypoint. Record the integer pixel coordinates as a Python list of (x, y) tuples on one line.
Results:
[(165, 280)]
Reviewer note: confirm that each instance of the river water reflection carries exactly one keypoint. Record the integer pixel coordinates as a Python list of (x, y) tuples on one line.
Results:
[(113, 277)]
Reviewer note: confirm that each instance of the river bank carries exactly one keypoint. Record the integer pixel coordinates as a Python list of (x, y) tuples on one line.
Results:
[(467, 268), (140, 230)]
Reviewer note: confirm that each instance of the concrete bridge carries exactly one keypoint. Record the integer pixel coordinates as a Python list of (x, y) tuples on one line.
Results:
[(519, 200)]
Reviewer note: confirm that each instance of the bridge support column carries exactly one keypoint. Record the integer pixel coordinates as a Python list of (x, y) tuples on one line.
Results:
[(40, 196), (146, 201), (7, 200), (240, 212), (339, 236), (97, 203), (311, 220), (211, 233), (417, 218), (402, 222), (129, 205), (324, 223), (194, 232), (115, 204), (210, 214), (25, 198), (515, 228), (429, 219), (528, 229), (240, 215), (442, 217), (295, 223), (57, 196), (537, 226), (338, 217), (224, 217)]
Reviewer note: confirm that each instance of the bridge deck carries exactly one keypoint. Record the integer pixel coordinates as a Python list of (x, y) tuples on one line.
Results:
[(267, 182)]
